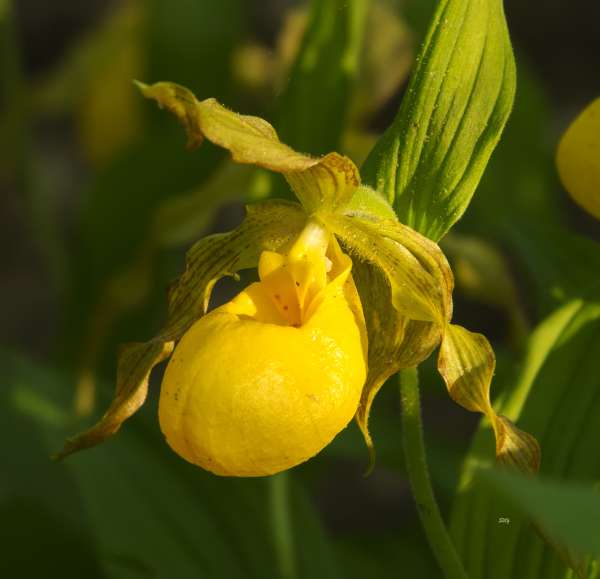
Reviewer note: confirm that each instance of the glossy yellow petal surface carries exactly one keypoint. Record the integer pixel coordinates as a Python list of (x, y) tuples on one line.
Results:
[(578, 159), (266, 381)]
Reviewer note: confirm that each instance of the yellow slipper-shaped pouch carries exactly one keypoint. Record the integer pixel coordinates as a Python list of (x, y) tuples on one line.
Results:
[(267, 380)]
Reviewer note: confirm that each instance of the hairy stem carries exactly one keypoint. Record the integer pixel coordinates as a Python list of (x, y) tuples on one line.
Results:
[(418, 473)]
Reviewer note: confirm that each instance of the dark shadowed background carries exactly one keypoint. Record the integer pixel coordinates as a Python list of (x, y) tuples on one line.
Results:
[(90, 237)]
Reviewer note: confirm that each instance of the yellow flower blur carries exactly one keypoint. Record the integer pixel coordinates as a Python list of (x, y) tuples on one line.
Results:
[(578, 159), (267, 380)]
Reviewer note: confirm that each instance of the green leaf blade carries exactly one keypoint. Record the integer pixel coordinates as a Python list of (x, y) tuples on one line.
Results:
[(314, 106), (430, 160), (570, 512), (556, 398)]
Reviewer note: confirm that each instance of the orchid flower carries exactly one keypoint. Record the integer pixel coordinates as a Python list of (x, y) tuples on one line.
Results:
[(347, 297)]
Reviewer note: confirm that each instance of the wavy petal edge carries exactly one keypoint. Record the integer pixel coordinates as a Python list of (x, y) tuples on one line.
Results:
[(466, 362), (320, 183), (267, 226)]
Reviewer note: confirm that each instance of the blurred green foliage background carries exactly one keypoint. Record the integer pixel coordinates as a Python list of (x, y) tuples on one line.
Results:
[(100, 201)]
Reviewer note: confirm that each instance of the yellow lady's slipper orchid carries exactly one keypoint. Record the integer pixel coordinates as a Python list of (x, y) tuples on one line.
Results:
[(267, 380), (578, 159)]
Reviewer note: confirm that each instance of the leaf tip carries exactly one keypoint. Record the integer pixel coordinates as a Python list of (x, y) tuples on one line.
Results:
[(142, 86), (372, 457), (180, 102), (69, 447), (516, 448), (362, 419)]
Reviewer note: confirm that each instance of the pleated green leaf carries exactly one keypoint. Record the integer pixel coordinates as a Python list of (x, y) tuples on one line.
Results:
[(430, 160), (556, 396)]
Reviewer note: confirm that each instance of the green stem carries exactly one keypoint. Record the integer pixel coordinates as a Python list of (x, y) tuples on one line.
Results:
[(282, 525), (418, 473)]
